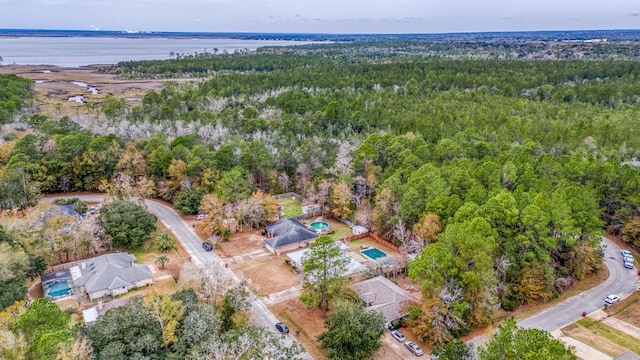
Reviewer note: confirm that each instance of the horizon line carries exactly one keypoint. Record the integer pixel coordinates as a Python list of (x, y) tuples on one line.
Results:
[(147, 32)]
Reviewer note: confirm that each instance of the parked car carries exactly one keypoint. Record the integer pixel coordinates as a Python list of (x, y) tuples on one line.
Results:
[(626, 253), (207, 246), (626, 258), (397, 335), (282, 328), (200, 217), (414, 348), (389, 326), (611, 299), (628, 265)]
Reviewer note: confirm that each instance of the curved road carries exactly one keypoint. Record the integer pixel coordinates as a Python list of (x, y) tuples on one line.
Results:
[(193, 245), (621, 281)]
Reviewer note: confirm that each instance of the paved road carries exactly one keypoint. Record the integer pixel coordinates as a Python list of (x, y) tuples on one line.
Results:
[(621, 281), (192, 243)]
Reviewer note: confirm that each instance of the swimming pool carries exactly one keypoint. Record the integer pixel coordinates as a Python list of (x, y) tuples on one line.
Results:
[(373, 253), (59, 289), (319, 226)]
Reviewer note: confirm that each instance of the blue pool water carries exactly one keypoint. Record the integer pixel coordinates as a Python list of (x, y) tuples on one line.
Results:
[(373, 253), (319, 225), (59, 289)]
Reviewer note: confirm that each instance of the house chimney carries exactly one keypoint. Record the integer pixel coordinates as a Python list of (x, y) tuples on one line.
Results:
[(83, 265)]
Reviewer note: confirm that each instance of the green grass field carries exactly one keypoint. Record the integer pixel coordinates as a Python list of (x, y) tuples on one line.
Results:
[(291, 207)]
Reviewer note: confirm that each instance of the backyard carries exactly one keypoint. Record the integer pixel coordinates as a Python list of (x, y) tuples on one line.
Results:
[(338, 229), (291, 207)]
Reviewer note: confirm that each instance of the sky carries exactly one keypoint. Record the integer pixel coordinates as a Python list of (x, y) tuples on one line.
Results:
[(321, 16)]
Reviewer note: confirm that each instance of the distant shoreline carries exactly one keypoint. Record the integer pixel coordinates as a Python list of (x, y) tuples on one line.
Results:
[(19, 33), (614, 35)]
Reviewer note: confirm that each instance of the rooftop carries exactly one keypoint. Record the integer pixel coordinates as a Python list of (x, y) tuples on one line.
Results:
[(109, 271), (383, 296), (288, 231)]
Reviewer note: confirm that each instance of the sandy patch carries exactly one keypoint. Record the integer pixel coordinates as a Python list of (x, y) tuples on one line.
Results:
[(240, 244), (267, 274), (55, 85), (584, 351), (593, 340)]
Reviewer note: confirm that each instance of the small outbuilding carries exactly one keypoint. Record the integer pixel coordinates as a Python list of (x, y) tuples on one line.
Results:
[(90, 315)]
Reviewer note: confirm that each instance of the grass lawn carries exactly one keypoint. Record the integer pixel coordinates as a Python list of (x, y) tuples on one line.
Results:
[(340, 230), (148, 252), (144, 253), (291, 207), (594, 339), (623, 339)]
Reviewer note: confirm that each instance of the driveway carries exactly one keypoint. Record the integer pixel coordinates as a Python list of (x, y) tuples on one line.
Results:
[(205, 259), (621, 281)]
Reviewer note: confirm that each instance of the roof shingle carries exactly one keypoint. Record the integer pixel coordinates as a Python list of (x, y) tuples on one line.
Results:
[(110, 271), (383, 296), (288, 231)]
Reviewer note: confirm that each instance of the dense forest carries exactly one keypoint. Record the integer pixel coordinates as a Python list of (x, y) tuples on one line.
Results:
[(500, 173)]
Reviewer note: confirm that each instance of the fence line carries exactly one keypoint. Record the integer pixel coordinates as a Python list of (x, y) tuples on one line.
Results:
[(290, 194), (355, 237), (65, 266), (375, 237)]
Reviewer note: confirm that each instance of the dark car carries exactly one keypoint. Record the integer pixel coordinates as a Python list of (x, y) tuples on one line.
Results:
[(282, 328), (207, 246)]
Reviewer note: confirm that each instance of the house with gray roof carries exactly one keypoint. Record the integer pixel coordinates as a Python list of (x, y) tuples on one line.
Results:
[(288, 234), (110, 275), (381, 295)]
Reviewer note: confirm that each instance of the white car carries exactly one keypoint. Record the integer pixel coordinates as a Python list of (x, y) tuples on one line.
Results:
[(200, 217), (628, 265), (414, 348), (611, 299), (627, 258), (397, 335), (626, 253)]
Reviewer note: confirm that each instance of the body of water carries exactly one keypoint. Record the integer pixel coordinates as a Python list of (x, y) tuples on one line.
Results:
[(81, 51)]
